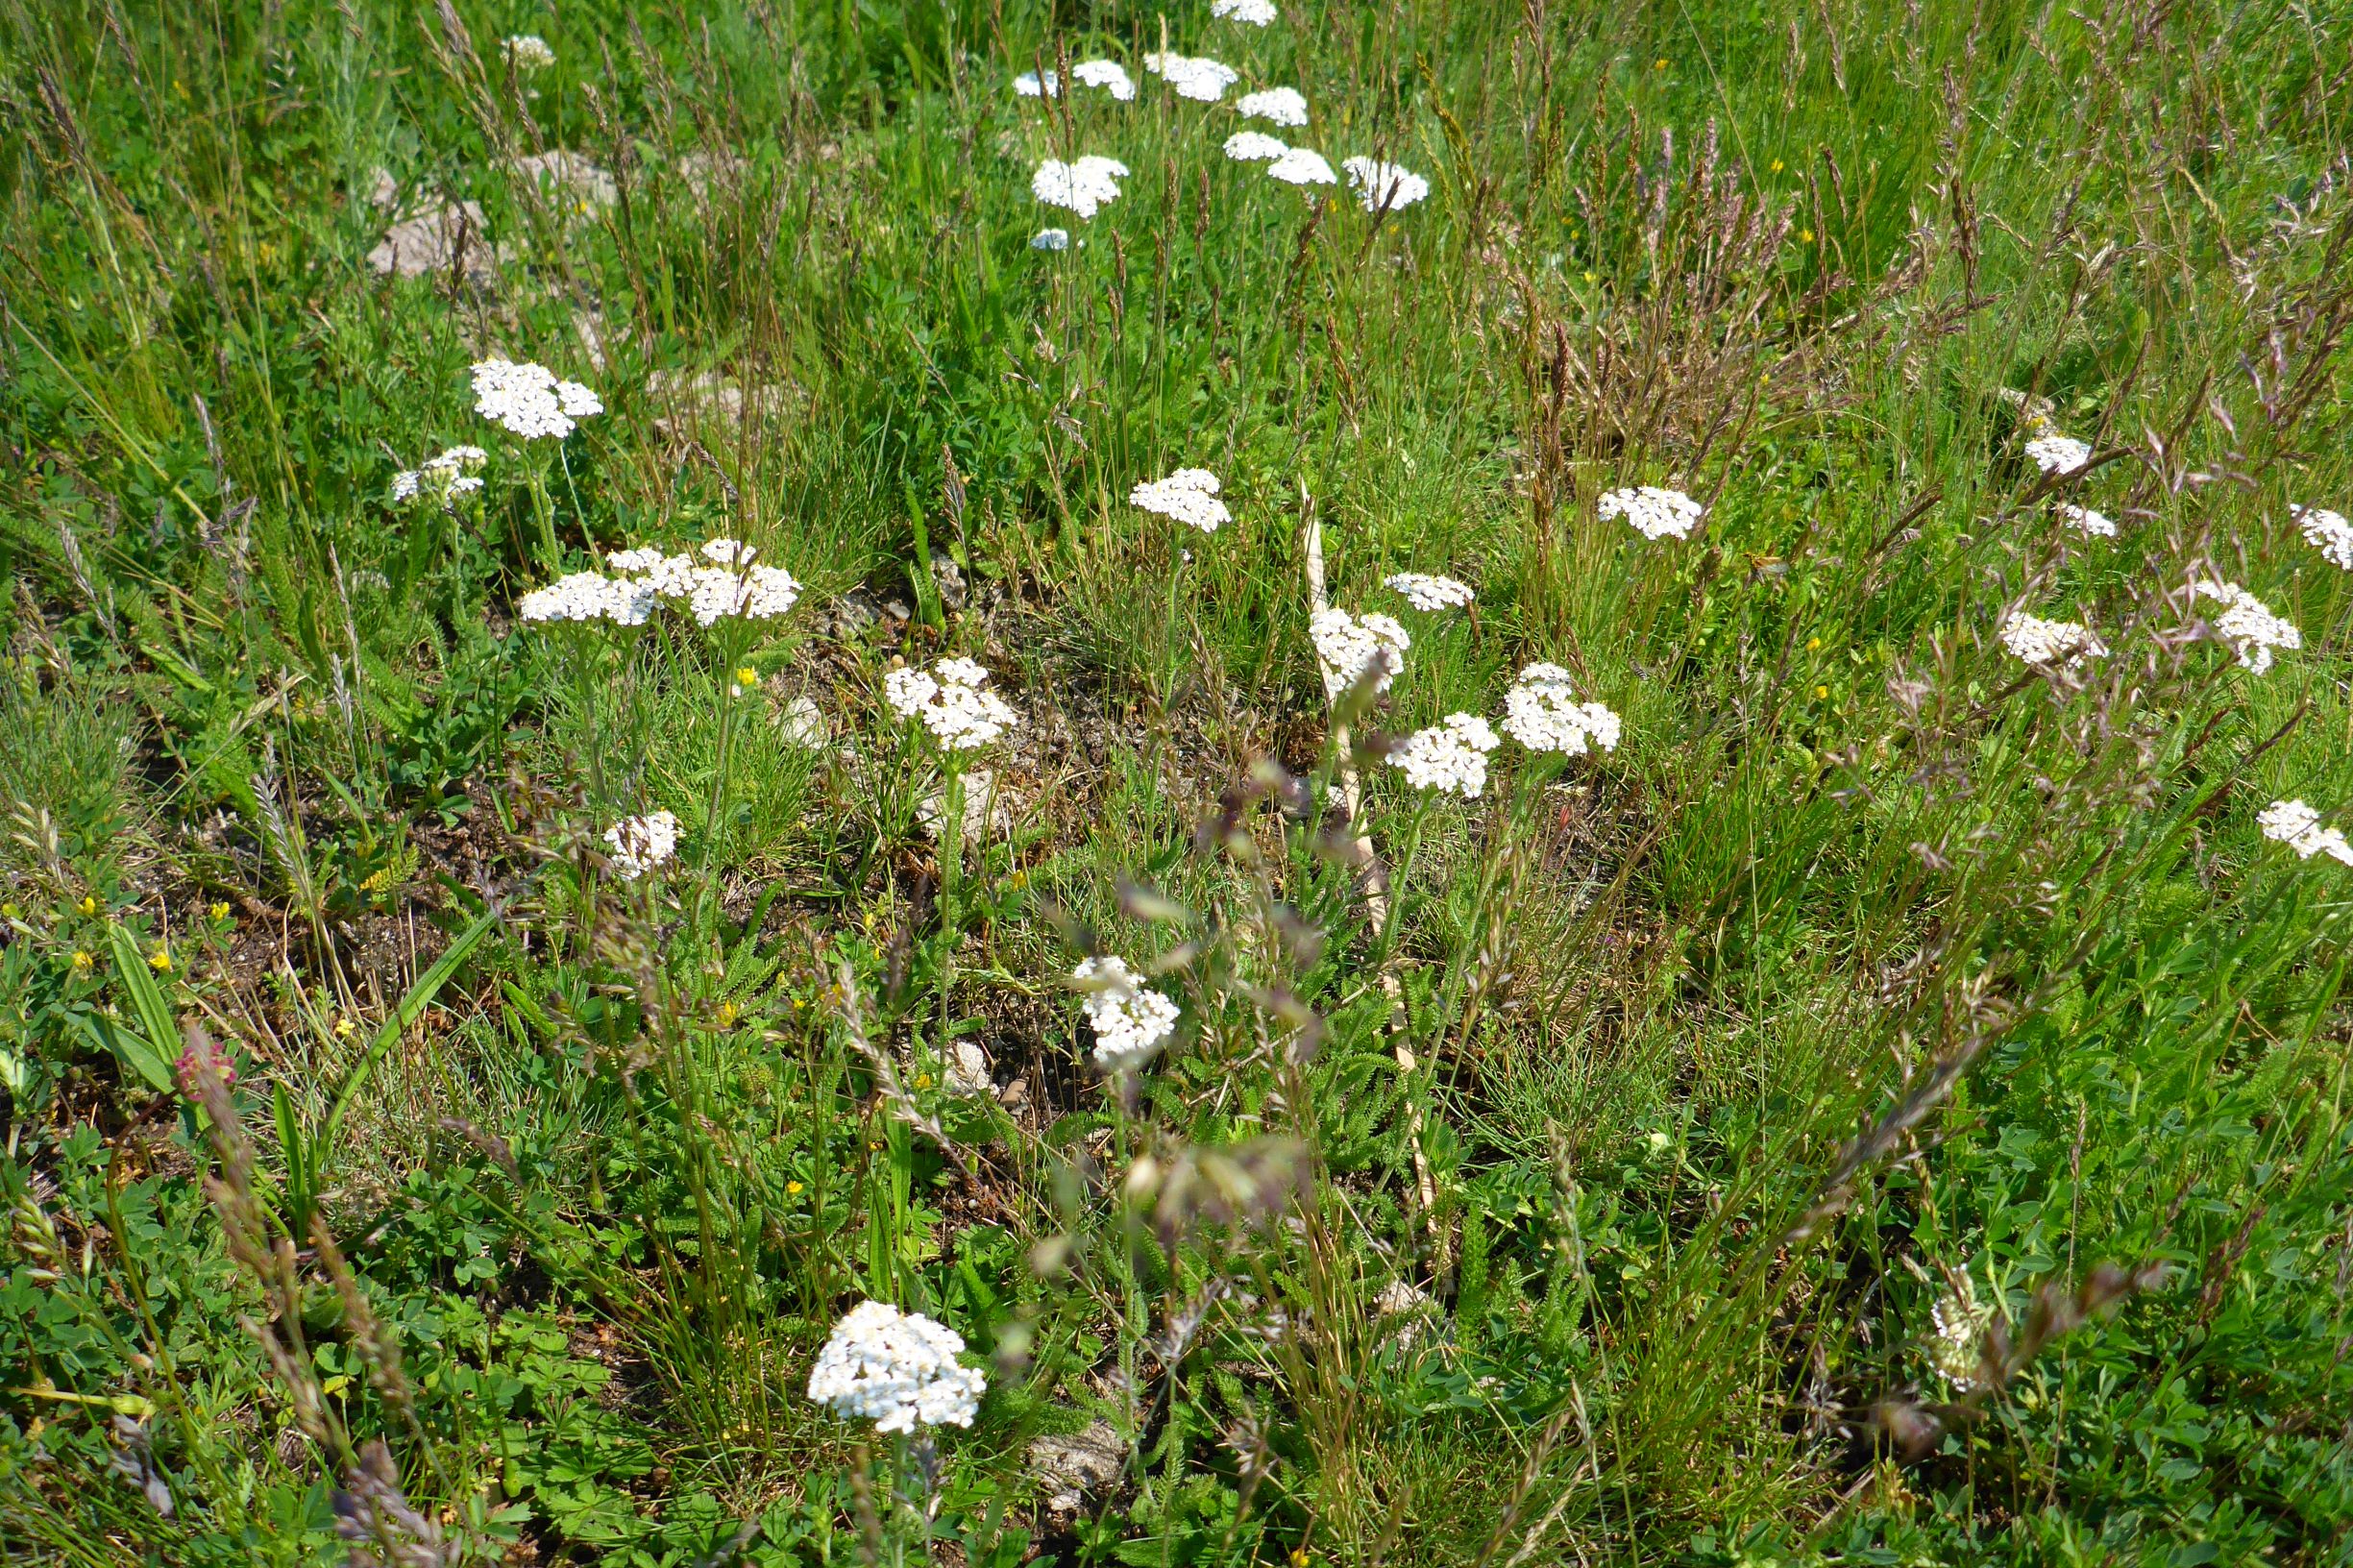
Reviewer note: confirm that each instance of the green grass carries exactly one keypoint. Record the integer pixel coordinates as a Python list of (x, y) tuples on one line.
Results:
[(1574, 1173)]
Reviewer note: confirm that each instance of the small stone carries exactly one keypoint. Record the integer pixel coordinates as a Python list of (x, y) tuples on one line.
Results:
[(1069, 1467), (967, 1068), (431, 241), (577, 186), (987, 810), (802, 723)]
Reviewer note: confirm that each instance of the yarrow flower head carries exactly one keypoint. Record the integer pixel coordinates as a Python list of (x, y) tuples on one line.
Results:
[(2327, 533), (1107, 74), (1255, 147), (1380, 184), (2297, 826), (1655, 511), (2043, 643), (1082, 184), (1424, 592), (732, 585), (529, 401), (445, 478), (639, 845), (1189, 495), (951, 701), (1960, 1325), (2057, 454), (1350, 649), (1277, 106), (526, 51), (1297, 166), (896, 1369), (1131, 1021), (1452, 756), (2083, 520), (1202, 80), (2249, 625), (1254, 13), (1541, 712)]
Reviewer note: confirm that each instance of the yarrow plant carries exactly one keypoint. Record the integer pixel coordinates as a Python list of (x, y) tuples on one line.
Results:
[(639, 845), (2083, 520), (2327, 533), (1131, 1021), (2057, 454), (444, 477), (2247, 624), (951, 701), (1425, 592), (1189, 495), (1450, 756), (526, 51), (895, 1369), (527, 399), (1254, 13), (1298, 167), (1349, 649), (1202, 80), (1380, 187), (2066, 644), (1108, 75), (1254, 147), (1084, 185), (1277, 106), (1655, 511), (1541, 712), (2297, 826), (730, 582)]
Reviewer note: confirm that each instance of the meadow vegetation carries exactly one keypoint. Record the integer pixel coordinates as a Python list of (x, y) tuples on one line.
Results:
[(1804, 1023)]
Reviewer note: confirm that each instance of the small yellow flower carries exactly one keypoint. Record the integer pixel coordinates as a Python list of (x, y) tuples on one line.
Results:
[(1776, 165), (161, 959), (1299, 1554), (875, 1147), (1805, 236), (1812, 643), (792, 1189), (727, 1011), (343, 1026), (1821, 691), (82, 960), (746, 680), (1593, 277), (1659, 65), (799, 1004), (923, 1080), (1019, 879), (88, 905), (219, 911)]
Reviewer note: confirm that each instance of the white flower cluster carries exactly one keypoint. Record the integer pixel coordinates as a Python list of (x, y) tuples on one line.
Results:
[(1255, 12), (2297, 826), (1450, 756), (1050, 239), (1131, 1021), (2058, 453), (526, 51), (2040, 641), (1952, 1349), (1277, 106), (1297, 166), (1189, 495), (1378, 184), (1255, 147), (1107, 74), (1349, 648), (733, 583), (1655, 512), (2327, 533), (1424, 592), (1082, 184), (444, 477), (1541, 712), (897, 1369), (526, 400), (2249, 625), (2090, 524), (1203, 80), (641, 844), (952, 701), (1030, 84)]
